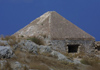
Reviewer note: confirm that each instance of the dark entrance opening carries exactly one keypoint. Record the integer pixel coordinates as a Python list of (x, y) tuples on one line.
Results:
[(98, 48), (72, 48)]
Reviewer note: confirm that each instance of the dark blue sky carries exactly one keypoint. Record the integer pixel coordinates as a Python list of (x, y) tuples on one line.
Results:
[(15, 14)]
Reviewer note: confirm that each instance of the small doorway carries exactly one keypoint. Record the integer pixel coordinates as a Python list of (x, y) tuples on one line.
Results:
[(72, 48), (98, 48)]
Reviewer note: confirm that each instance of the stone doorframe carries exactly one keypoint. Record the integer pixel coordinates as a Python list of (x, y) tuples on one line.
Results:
[(78, 51)]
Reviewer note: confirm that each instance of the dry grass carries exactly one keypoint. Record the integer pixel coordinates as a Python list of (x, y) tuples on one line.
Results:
[(79, 55), (94, 67), (25, 68), (73, 55), (36, 40), (7, 37), (30, 60), (38, 66), (2, 44), (52, 63), (7, 66), (44, 35), (12, 40), (12, 43), (49, 55), (42, 62), (90, 60), (22, 36), (0, 66), (2, 37), (94, 62)]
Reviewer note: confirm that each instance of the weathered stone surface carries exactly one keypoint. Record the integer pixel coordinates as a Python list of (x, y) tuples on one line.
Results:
[(60, 56), (86, 46), (97, 43), (59, 45), (45, 49), (76, 61), (53, 24), (16, 66), (27, 45), (5, 52), (97, 55), (97, 46)]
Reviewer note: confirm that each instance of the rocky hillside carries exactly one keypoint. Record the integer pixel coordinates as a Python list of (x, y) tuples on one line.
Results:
[(33, 54)]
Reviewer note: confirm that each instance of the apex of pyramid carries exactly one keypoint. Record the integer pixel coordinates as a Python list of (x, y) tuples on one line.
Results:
[(54, 25), (49, 13), (46, 15)]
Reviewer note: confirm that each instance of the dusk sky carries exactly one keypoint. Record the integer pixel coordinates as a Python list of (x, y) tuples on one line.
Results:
[(15, 14)]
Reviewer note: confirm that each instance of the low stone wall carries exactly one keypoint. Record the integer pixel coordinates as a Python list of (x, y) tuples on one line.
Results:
[(59, 45), (62, 45), (84, 45)]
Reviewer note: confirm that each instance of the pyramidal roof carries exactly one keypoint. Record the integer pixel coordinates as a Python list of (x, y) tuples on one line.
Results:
[(54, 25)]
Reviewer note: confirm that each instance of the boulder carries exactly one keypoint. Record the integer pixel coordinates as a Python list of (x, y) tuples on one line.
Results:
[(5, 52), (60, 56), (29, 46), (16, 66), (45, 49), (77, 61)]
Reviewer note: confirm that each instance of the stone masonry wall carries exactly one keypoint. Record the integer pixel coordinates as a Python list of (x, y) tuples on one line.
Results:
[(61, 45), (85, 45)]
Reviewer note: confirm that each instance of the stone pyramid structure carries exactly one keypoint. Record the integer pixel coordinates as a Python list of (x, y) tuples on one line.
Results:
[(55, 26)]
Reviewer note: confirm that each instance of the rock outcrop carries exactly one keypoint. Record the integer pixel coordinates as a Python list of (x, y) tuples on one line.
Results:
[(5, 52), (20, 55)]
